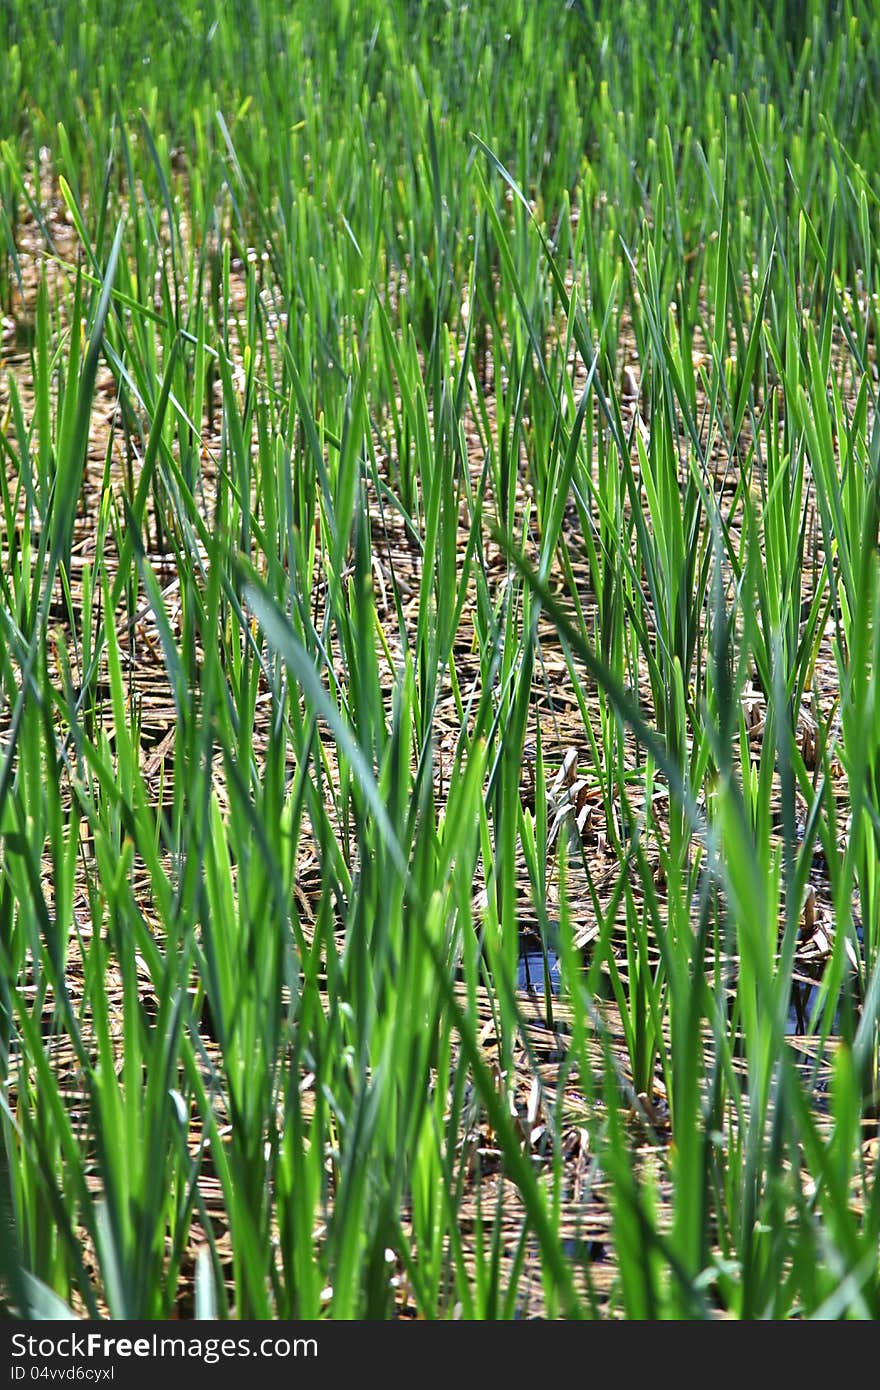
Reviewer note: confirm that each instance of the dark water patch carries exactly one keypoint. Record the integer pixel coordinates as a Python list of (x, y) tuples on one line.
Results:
[(585, 1251), (532, 971), (804, 997), (804, 1000)]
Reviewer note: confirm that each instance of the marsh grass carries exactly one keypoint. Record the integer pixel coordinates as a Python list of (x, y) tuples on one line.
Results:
[(365, 448)]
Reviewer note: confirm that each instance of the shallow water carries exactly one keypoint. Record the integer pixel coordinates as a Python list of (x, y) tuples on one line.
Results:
[(530, 971), (804, 995), (530, 976), (803, 999)]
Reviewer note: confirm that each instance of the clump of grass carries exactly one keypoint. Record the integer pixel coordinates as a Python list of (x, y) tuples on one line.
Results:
[(364, 448)]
